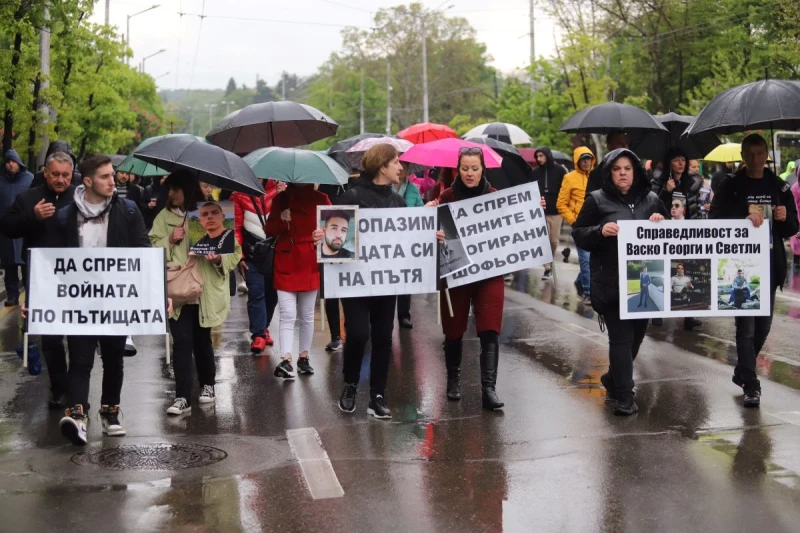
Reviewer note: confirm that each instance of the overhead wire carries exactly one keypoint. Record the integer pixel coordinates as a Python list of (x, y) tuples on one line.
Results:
[(197, 46), (180, 35)]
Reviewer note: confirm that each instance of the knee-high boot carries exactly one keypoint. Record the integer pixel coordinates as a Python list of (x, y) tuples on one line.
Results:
[(490, 354), (452, 361)]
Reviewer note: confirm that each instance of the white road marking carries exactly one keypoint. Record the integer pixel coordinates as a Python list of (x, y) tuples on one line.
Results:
[(317, 469)]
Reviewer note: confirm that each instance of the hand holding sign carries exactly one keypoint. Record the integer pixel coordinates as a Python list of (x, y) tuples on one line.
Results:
[(756, 219), (610, 230)]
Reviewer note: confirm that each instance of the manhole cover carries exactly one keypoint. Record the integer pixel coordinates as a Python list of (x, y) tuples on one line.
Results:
[(151, 457)]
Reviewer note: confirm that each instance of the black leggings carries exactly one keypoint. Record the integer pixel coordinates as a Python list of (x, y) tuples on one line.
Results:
[(365, 318), (624, 339)]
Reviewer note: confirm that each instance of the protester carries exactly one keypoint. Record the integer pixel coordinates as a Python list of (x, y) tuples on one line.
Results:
[(569, 203), (424, 183), (411, 195), (293, 220), (796, 238), (549, 176), (614, 141), (725, 170), (372, 316), (757, 194), (443, 182), (694, 168), (625, 195), (39, 178), (154, 200), (97, 218), (14, 179), (262, 298), (191, 323), (32, 219), (126, 188)]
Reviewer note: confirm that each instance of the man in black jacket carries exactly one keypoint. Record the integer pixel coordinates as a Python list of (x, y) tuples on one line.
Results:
[(549, 176), (757, 194), (32, 218), (39, 178), (97, 218)]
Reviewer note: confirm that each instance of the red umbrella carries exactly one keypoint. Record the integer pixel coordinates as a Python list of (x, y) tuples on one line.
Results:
[(427, 132)]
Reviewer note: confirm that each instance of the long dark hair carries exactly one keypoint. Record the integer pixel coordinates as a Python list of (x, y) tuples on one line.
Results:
[(189, 184)]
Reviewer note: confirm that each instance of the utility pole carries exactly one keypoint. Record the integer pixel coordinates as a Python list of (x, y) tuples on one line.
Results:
[(283, 87), (361, 104), (533, 55), (388, 97), (425, 71), (44, 60), (211, 115), (108, 5)]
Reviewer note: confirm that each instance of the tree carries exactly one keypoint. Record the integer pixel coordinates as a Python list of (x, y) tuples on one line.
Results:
[(264, 92), (231, 87)]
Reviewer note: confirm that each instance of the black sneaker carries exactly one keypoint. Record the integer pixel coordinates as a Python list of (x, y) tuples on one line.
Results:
[(378, 408), (109, 416), (611, 393), (690, 323), (547, 273), (73, 425), (304, 366), (284, 370), (405, 323), (335, 345), (11, 302), (752, 395), (626, 406), (58, 401), (347, 402), (578, 288)]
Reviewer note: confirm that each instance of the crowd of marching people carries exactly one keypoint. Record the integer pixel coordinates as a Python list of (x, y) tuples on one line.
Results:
[(88, 204)]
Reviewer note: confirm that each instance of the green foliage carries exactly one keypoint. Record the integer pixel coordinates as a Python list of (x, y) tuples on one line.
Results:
[(230, 88)]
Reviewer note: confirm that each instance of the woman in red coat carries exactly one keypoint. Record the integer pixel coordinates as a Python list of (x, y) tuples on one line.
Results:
[(293, 219)]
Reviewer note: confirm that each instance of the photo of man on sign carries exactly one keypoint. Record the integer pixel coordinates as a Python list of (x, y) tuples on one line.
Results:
[(340, 225)]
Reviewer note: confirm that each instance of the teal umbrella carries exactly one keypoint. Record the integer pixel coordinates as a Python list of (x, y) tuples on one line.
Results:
[(141, 168), (294, 165)]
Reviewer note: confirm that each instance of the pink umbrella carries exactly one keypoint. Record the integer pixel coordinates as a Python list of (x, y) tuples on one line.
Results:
[(445, 152)]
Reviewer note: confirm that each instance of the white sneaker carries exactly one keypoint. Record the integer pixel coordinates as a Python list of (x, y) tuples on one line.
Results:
[(242, 288), (130, 348), (180, 407), (207, 396), (73, 425), (109, 416)]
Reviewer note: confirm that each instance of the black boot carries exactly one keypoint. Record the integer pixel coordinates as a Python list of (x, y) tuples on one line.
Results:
[(490, 355), (452, 360)]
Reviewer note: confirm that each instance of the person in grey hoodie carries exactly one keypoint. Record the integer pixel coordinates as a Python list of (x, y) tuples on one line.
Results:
[(14, 179)]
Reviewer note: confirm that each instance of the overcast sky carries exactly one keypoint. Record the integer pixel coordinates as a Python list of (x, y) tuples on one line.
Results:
[(249, 38)]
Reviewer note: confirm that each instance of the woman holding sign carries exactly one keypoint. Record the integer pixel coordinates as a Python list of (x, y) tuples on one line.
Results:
[(625, 195)]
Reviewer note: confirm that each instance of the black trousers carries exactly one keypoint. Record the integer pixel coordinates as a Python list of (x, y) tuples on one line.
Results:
[(55, 357), (751, 334), (624, 339), (365, 318), (189, 337), (12, 280), (404, 307), (334, 318), (81, 360)]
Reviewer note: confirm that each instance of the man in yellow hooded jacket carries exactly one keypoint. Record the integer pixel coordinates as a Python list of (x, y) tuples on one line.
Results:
[(570, 201)]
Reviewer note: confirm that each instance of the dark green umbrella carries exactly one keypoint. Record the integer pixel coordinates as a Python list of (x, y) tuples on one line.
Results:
[(136, 166), (294, 165)]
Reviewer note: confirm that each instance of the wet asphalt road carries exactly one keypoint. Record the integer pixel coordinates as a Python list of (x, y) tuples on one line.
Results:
[(556, 459)]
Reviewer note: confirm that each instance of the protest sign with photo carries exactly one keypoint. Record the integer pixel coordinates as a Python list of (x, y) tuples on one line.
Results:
[(452, 255), (97, 291), (223, 244), (693, 268), (397, 255), (503, 232), (340, 225)]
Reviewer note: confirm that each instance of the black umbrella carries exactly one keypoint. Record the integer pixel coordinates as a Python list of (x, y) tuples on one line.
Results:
[(339, 150), (206, 162), (611, 117), (286, 124), (753, 106), (116, 159), (514, 170), (653, 145)]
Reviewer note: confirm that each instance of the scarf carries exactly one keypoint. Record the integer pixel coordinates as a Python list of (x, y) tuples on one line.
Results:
[(463, 192)]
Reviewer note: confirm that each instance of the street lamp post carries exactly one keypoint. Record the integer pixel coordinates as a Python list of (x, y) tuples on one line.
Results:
[(144, 59), (128, 26), (227, 105), (424, 36), (211, 115)]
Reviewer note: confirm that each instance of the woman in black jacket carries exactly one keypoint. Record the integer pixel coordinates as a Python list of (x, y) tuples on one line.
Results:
[(373, 314), (625, 195)]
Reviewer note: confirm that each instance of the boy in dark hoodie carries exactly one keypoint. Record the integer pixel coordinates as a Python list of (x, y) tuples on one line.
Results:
[(549, 176)]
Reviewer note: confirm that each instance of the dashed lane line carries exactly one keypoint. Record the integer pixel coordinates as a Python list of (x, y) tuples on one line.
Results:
[(317, 469)]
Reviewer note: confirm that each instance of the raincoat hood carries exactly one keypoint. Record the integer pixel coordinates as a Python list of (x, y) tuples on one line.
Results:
[(12, 155), (548, 153), (576, 156), (62, 146), (641, 182)]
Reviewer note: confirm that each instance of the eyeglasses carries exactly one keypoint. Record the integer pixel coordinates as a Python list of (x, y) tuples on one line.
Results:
[(471, 150), (677, 205)]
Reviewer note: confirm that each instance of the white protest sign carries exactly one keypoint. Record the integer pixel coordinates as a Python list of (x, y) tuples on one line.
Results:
[(693, 268), (398, 255), (503, 232), (97, 291)]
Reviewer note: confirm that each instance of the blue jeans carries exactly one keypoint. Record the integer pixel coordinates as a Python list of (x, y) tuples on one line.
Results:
[(262, 299), (583, 275)]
